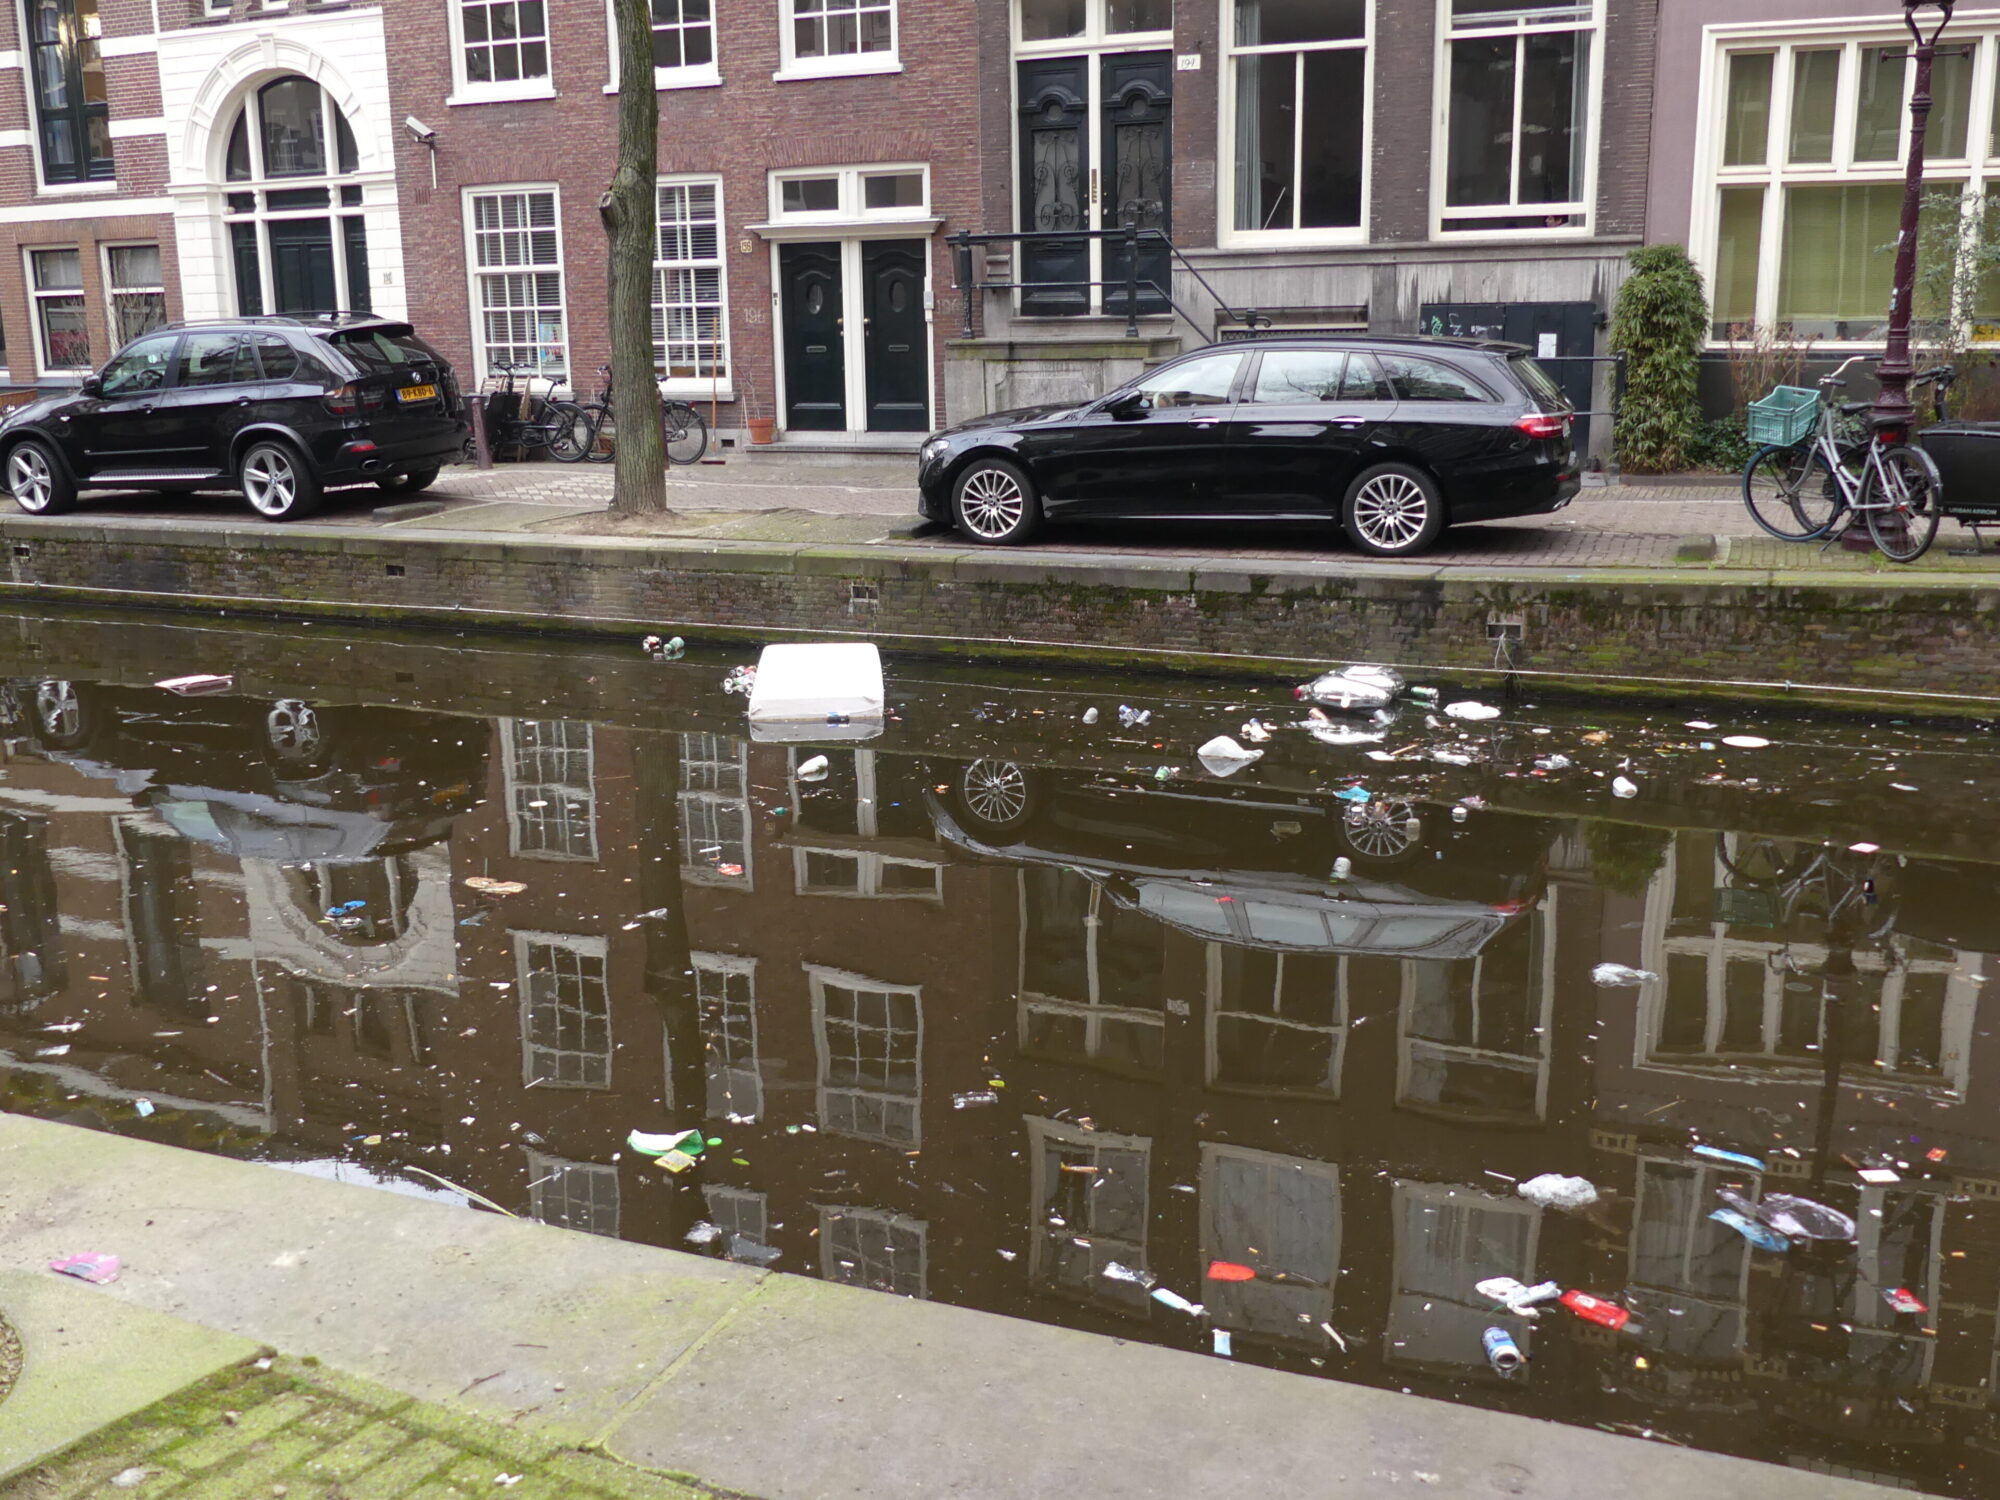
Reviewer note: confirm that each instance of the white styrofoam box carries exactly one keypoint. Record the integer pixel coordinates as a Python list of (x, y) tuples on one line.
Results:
[(812, 684)]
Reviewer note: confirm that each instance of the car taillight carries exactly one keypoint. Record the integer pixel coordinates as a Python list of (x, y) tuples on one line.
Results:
[(342, 400), (1540, 424)]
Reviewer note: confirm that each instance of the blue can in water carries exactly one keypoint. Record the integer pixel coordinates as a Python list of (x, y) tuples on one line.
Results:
[(1501, 1351)]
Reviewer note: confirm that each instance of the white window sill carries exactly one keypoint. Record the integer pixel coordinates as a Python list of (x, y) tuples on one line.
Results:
[(501, 93), (76, 189), (1276, 239), (856, 65), (695, 392), (680, 78)]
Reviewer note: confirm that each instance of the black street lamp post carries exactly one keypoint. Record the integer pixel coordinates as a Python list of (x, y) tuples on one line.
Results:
[(1892, 404)]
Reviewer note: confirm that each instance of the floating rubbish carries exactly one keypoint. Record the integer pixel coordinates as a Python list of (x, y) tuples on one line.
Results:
[(1256, 731), (1460, 814), (1803, 1219), (98, 1270), (1596, 1310), (1624, 786), (1734, 1158), (689, 1141), (1554, 763), (1134, 718), (1451, 757), (1424, 695), (1864, 848), (1903, 1300), (740, 680), (1229, 1270), (197, 684), (1762, 1236), (974, 1099), (817, 683), (1090, 714), (703, 1233), (1745, 742), (1878, 1176), (144, 1107), (1615, 976), (1699, 724), (1470, 711), (1167, 1297), (1354, 794), (1222, 756), (1166, 773), (1118, 1271), (813, 770), (1342, 868), (486, 885), (751, 1252), (667, 650), (1518, 1299), (1353, 687), (1220, 1339), (1501, 1351), (1551, 1190)]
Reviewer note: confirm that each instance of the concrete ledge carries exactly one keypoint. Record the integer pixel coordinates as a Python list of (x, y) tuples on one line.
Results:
[(1893, 638), (778, 1385)]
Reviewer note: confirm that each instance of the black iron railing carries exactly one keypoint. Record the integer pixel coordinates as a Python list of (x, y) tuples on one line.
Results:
[(1132, 237)]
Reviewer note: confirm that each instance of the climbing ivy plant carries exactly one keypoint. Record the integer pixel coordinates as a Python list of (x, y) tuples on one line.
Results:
[(1659, 324)]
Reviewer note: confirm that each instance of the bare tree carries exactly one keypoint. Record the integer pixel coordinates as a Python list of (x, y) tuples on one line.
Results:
[(630, 211)]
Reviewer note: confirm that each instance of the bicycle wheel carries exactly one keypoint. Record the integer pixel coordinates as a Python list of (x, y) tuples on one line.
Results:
[(1904, 521), (569, 442), (1789, 492), (685, 432)]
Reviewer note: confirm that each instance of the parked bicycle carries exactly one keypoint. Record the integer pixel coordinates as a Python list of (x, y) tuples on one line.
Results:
[(1826, 462), (521, 419), (596, 431)]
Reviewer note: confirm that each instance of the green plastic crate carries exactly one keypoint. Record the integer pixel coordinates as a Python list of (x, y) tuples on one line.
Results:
[(1785, 416)]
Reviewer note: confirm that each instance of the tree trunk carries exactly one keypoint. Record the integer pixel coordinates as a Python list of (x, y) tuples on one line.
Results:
[(630, 210)]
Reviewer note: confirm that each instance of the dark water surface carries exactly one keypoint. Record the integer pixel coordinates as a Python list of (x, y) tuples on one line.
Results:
[(258, 917)]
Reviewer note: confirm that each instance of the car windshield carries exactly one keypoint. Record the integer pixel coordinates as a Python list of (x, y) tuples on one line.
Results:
[(1541, 385), (380, 352)]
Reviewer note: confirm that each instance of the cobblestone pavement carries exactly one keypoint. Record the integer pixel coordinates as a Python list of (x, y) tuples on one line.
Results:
[(300, 1431), (861, 500)]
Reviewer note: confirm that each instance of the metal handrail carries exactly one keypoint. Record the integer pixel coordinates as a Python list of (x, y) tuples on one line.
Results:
[(1132, 235)]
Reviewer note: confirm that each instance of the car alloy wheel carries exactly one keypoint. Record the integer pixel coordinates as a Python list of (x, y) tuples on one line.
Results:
[(58, 709), (291, 728), (996, 791), (991, 503), (271, 482), (1391, 511), (29, 479), (1382, 830)]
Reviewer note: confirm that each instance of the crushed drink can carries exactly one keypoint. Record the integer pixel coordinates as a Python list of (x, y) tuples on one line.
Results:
[(1903, 1300), (1501, 1351), (1596, 1310)]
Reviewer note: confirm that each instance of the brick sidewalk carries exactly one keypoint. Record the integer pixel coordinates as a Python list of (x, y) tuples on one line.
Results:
[(300, 1431)]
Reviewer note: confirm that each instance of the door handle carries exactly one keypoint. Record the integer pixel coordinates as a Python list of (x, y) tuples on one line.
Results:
[(242, 400), (1204, 421), (144, 409)]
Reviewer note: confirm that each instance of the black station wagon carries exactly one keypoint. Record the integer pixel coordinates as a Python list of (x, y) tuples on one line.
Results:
[(1392, 438), (279, 408)]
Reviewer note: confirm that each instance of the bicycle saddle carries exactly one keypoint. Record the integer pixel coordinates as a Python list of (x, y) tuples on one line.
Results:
[(1854, 408)]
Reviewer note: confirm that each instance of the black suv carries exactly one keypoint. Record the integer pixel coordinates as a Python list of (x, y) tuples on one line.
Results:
[(279, 408), (1393, 438)]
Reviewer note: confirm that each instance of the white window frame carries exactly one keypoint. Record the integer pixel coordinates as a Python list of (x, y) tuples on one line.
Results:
[(112, 291), (1094, 36), (836, 1244), (1276, 1021), (464, 90), (690, 800), (868, 868), (1103, 1247), (37, 295), (720, 382), (818, 978), (1585, 209), (1227, 234), (1094, 1011), (519, 813), (475, 273), (696, 76), (1707, 1177), (1977, 170), (544, 1169), (1228, 1303), (1409, 1046), (1410, 1306), (748, 1068), (583, 946), (852, 204), (735, 1210), (792, 67)]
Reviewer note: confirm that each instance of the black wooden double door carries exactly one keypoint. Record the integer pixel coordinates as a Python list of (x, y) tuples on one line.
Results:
[(892, 349), (1096, 152)]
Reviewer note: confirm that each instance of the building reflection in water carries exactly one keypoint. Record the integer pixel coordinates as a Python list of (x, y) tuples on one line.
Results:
[(1206, 1046)]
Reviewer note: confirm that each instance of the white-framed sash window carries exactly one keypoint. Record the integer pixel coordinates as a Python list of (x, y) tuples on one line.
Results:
[(55, 292), (1296, 109), (835, 38), (1064, 25), (499, 50), (515, 258), (565, 1010), (135, 291), (690, 289)]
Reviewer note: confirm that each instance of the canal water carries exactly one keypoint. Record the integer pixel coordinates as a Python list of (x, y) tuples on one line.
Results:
[(1019, 1006)]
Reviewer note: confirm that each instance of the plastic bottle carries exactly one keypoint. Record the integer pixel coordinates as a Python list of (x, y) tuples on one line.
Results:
[(1596, 1310)]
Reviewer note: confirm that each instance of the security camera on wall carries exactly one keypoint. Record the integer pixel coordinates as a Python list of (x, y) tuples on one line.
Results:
[(419, 130)]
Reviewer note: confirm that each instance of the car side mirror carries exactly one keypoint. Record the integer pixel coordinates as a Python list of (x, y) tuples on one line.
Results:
[(93, 385), (1128, 404)]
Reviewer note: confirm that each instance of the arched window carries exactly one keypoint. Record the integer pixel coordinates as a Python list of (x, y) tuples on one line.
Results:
[(296, 235)]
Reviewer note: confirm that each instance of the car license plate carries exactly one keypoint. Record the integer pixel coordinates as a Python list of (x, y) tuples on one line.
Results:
[(417, 393)]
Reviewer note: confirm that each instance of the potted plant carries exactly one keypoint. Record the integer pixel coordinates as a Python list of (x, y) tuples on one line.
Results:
[(763, 428)]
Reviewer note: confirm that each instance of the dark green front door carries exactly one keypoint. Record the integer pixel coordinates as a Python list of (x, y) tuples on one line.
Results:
[(809, 289), (893, 343), (302, 266)]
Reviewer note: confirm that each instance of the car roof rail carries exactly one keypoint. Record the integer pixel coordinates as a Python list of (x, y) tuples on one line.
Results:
[(341, 318)]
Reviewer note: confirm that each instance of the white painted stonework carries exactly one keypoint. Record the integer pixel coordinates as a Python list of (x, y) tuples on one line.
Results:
[(207, 72)]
